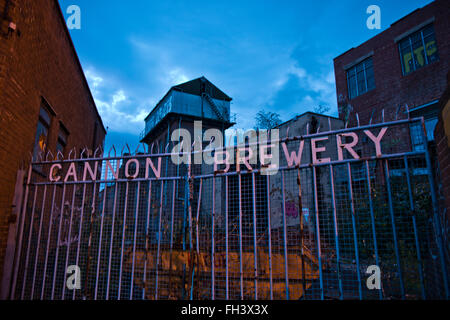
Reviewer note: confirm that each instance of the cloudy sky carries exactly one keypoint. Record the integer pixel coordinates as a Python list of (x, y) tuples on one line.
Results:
[(271, 55)]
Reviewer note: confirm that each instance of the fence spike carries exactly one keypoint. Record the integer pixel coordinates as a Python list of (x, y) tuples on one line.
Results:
[(398, 110), (111, 149), (151, 150), (382, 116), (123, 149), (287, 132), (371, 116), (59, 156), (138, 147), (167, 146), (357, 119), (100, 149), (74, 151), (49, 153), (407, 111), (307, 129)]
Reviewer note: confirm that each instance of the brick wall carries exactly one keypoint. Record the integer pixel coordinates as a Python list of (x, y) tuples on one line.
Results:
[(38, 61), (392, 88)]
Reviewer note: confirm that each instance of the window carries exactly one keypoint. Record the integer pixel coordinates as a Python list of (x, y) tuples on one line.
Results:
[(418, 50), (416, 132), (40, 142), (360, 78), (62, 139)]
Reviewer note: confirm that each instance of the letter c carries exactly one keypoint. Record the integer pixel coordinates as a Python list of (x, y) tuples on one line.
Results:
[(56, 178)]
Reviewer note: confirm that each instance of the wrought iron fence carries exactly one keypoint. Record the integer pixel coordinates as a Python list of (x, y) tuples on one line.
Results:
[(139, 226)]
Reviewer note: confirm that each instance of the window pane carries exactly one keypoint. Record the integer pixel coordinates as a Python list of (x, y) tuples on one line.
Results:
[(352, 87), (416, 136), (428, 30), (361, 82), (370, 79), (360, 78), (430, 125), (431, 48), (418, 50), (414, 54), (60, 147), (63, 135), (45, 116), (40, 143)]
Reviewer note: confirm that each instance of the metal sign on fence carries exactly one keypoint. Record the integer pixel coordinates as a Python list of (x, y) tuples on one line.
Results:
[(347, 214)]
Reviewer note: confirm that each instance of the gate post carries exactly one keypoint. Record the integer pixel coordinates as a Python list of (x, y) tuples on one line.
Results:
[(437, 226), (8, 266)]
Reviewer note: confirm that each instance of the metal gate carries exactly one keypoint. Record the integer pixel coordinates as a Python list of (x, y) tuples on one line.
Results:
[(138, 226)]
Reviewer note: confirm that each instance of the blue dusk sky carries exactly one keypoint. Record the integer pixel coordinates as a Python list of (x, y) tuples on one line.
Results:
[(271, 55)]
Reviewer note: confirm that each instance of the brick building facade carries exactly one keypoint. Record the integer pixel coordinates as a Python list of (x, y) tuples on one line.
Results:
[(45, 101), (406, 64)]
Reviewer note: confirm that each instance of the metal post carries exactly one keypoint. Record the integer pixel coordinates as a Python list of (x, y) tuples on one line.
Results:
[(212, 239), (69, 238), (416, 236), (171, 236), (19, 243), (286, 271), (80, 227), (24, 279), (147, 234), (240, 237), (88, 255), (319, 250), (372, 220), (438, 227), (134, 239), (123, 240), (57, 240), (226, 240), (269, 236), (355, 235), (159, 239), (111, 240), (197, 237), (48, 245), (198, 214), (254, 237), (394, 229), (336, 232), (39, 240), (100, 241)]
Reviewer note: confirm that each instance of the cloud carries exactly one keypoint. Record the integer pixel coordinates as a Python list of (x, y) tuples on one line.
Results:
[(160, 64), (303, 88), (120, 112)]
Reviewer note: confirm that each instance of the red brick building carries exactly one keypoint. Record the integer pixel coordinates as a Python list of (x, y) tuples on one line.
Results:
[(45, 101), (406, 64)]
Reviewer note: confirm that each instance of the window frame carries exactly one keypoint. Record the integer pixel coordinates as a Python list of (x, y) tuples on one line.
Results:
[(45, 120), (409, 37), (63, 137), (353, 69)]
